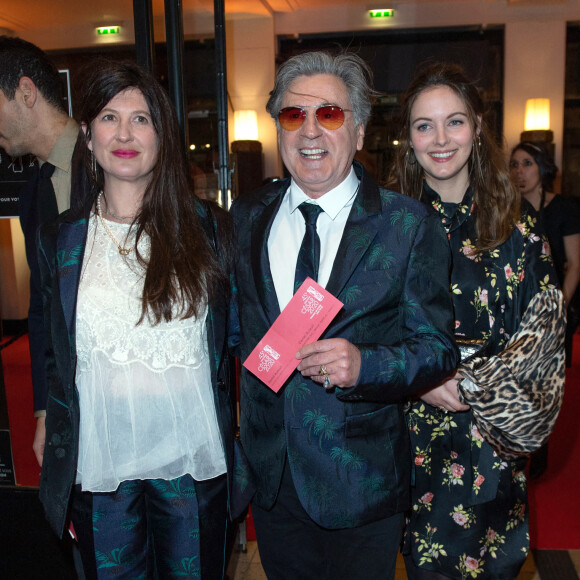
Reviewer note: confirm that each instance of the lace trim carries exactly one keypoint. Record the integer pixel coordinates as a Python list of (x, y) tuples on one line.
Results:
[(109, 307)]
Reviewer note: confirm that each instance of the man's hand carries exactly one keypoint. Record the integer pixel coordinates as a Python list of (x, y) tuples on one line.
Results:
[(39, 439), (445, 396), (340, 358)]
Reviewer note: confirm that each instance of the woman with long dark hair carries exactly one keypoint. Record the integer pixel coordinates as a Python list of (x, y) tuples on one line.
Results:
[(139, 424), (469, 505)]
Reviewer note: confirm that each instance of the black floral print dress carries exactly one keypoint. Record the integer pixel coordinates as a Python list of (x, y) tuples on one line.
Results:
[(469, 507)]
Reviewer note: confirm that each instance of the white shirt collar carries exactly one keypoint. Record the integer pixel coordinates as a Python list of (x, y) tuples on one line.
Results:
[(333, 201)]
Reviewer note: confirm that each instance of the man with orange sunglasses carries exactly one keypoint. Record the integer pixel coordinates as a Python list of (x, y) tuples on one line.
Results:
[(330, 452)]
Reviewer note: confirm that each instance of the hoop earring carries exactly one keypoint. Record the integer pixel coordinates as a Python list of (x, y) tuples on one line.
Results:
[(411, 157)]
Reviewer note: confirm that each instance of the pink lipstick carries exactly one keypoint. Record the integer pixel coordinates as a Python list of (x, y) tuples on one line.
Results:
[(125, 153)]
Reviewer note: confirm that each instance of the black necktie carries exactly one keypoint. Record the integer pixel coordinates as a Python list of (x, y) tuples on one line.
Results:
[(309, 253), (46, 206)]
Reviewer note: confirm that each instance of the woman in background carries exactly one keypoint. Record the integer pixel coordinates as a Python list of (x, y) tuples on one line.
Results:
[(533, 172), (469, 507), (139, 424)]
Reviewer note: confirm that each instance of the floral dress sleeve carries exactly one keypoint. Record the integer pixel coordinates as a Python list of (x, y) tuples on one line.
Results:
[(531, 271)]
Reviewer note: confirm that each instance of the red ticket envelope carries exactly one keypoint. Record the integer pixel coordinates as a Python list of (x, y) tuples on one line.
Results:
[(303, 320)]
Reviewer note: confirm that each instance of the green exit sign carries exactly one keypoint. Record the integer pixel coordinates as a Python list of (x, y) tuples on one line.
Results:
[(383, 13), (108, 30)]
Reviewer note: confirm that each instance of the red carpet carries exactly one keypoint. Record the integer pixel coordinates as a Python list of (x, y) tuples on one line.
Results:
[(18, 383), (554, 498)]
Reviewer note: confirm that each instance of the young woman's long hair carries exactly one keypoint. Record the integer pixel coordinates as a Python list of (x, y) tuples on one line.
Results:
[(496, 199), (182, 271)]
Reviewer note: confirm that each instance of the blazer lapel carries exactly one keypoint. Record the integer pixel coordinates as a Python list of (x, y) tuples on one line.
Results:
[(259, 253), (215, 325), (69, 257), (360, 230), (216, 312)]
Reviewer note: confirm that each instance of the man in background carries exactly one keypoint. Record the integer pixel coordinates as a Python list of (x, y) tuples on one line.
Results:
[(33, 120)]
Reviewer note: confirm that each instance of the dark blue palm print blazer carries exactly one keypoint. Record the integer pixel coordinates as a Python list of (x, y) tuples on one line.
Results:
[(348, 449)]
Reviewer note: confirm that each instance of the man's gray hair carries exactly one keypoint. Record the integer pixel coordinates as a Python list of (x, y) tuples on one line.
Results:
[(350, 68)]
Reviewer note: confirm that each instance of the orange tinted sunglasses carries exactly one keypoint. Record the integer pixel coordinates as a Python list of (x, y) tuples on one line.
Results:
[(329, 116)]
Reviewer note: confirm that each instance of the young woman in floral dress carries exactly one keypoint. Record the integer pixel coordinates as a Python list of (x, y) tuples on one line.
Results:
[(469, 508)]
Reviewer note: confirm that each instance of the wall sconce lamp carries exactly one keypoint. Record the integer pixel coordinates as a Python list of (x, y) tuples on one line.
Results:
[(537, 121), (246, 153), (246, 125)]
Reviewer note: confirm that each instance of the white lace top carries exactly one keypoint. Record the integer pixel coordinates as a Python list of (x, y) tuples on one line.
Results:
[(146, 401)]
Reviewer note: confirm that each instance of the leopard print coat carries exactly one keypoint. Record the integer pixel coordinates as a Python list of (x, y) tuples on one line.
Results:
[(516, 396)]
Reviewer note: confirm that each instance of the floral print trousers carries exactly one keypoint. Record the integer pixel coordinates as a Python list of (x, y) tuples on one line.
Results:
[(150, 529)]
